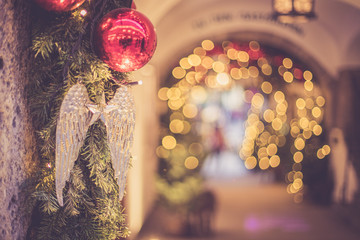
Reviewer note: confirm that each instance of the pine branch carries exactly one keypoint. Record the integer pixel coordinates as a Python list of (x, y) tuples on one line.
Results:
[(62, 50)]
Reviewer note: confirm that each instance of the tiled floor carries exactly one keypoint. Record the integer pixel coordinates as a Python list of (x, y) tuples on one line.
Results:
[(257, 212)]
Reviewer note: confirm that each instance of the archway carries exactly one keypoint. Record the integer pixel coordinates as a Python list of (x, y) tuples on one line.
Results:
[(266, 103)]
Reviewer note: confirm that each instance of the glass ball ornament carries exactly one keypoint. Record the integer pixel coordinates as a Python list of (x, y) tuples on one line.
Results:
[(125, 39), (59, 5)]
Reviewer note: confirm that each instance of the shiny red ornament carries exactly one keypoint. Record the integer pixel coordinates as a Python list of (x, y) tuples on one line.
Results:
[(59, 5), (125, 39)]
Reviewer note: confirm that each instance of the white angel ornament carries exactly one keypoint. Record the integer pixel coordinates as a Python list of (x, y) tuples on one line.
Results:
[(77, 114)]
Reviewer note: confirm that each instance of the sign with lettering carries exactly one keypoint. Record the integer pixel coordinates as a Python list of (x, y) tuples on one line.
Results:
[(230, 17)]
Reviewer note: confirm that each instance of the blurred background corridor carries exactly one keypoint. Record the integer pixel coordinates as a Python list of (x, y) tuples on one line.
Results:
[(247, 121), (249, 209)]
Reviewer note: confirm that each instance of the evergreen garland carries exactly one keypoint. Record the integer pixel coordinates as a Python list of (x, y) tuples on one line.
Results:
[(62, 56)]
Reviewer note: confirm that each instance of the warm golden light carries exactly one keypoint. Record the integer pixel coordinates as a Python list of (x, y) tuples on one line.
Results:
[(169, 142), (320, 154), (232, 54), (326, 149), (248, 94), (261, 61), (317, 130), (283, 6), (244, 72), (274, 161), (302, 112), (223, 79), (176, 104), (187, 128), (295, 130), (298, 183), (290, 176), (194, 60), (260, 126), (198, 94), (307, 134), (196, 149), (83, 12), (191, 162), (161, 152), (320, 101), (184, 63), (253, 71), (250, 162), (176, 126), (250, 132), (316, 112), (299, 144), (199, 51), (281, 70), (258, 100), (162, 94), (235, 73), (288, 77), (266, 87), (173, 93), (207, 62), (252, 119), (276, 124), (243, 56), (264, 163), (269, 115), (281, 108), (287, 63), (303, 6), (218, 67), (208, 45), (298, 157), (190, 77), (300, 103), (271, 149), (190, 110), (178, 73), (254, 45), (176, 115), (262, 152), (279, 96), (309, 103), (304, 122), (266, 69), (307, 75), (298, 175), (308, 85)]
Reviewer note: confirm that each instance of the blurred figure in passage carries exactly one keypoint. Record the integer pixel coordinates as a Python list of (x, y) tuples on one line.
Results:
[(201, 214), (344, 175)]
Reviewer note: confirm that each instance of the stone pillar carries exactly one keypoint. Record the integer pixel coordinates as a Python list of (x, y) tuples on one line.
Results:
[(348, 112), (16, 137)]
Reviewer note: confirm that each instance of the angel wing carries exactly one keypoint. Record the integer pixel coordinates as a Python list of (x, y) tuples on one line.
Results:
[(72, 125), (119, 118)]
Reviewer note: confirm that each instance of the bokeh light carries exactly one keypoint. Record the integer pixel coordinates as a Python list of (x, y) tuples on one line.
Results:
[(169, 142)]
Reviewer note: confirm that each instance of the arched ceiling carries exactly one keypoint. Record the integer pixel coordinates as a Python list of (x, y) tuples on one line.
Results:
[(332, 39)]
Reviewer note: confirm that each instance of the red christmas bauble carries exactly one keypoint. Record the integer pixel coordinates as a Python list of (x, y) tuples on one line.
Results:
[(59, 5), (125, 39)]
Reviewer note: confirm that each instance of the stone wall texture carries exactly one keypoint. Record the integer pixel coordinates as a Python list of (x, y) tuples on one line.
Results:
[(16, 135)]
